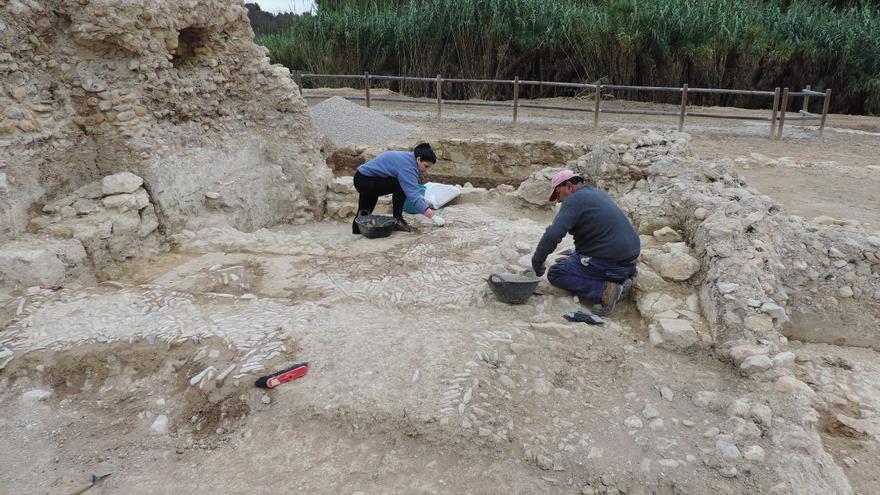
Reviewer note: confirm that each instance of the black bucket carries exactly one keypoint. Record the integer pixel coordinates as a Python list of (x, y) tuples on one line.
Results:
[(512, 288), (374, 226)]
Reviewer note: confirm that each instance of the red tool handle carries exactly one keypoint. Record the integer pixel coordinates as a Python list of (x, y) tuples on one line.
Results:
[(271, 381)]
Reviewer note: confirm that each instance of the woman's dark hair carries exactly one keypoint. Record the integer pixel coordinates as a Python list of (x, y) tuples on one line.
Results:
[(425, 152)]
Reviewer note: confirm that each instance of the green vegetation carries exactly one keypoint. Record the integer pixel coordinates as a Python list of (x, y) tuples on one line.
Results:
[(706, 43)]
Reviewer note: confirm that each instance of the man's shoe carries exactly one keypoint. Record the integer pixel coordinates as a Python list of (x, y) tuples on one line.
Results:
[(609, 299), (402, 226)]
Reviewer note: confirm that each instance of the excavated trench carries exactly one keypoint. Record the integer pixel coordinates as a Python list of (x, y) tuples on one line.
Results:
[(498, 363)]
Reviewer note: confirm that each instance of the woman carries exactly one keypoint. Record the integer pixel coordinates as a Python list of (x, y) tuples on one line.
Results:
[(396, 173)]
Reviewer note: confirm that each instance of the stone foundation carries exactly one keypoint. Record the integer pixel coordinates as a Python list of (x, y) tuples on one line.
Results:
[(176, 93)]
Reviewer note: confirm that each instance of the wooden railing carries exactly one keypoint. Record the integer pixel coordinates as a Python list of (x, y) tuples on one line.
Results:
[(778, 113)]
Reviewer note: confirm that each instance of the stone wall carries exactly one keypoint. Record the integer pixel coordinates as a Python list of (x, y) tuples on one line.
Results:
[(761, 271), (173, 91)]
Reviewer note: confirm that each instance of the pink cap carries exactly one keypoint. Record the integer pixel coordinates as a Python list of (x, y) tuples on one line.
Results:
[(559, 178)]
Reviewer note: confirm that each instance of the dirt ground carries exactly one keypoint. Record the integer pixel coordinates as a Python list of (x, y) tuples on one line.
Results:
[(417, 375), (419, 380)]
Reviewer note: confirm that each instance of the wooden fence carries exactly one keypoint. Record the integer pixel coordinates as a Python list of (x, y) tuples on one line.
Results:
[(777, 114)]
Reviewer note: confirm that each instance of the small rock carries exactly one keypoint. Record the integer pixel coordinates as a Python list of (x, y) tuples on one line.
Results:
[(756, 364), (701, 213), (835, 253), (667, 393), (84, 206), (845, 292), (754, 453), (760, 324), (633, 422), (656, 424), (688, 423), (94, 85), (673, 334), (667, 234), (711, 432), (728, 450), (728, 472), (668, 463), (727, 287), (122, 202), (790, 384), (544, 462), (159, 426), (265, 399), (212, 195), (36, 395), (650, 412), (783, 359), (124, 182), (101, 339), (774, 310), (675, 266)]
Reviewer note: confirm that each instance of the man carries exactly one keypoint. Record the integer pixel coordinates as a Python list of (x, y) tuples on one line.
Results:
[(606, 245), (395, 173)]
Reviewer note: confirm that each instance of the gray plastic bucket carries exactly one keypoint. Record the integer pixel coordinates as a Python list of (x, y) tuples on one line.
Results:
[(512, 288)]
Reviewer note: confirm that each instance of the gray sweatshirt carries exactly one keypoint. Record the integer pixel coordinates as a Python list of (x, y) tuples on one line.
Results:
[(599, 227)]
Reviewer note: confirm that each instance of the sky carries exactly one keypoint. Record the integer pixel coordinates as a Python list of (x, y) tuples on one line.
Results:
[(275, 6)]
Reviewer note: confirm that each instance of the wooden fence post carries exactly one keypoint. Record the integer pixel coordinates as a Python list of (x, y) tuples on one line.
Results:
[(598, 103), (684, 102), (773, 113), (367, 87), (297, 78), (825, 107), (782, 113), (439, 97), (515, 97), (806, 100)]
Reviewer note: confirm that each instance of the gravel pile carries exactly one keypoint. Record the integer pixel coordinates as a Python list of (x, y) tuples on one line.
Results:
[(345, 122)]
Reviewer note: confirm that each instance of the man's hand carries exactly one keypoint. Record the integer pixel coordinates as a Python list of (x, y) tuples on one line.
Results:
[(539, 269), (429, 213)]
